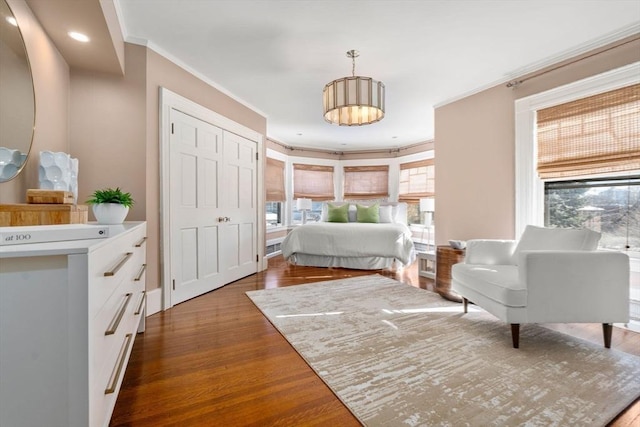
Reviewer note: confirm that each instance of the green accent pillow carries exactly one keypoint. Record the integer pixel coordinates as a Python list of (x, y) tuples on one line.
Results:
[(368, 213), (337, 213)]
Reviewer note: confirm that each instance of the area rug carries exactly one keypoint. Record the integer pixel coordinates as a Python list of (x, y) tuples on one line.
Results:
[(397, 355)]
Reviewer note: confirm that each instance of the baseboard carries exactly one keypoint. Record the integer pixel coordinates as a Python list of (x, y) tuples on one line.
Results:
[(154, 301)]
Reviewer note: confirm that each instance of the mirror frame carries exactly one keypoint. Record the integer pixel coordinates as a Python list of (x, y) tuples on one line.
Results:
[(29, 140)]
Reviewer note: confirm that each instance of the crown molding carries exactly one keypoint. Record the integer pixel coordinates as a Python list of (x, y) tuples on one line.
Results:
[(624, 32), (157, 49), (179, 63)]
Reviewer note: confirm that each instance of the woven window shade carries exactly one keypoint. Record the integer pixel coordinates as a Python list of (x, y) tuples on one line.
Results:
[(313, 182), (366, 182), (417, 181), (591, 136), (274, 180)]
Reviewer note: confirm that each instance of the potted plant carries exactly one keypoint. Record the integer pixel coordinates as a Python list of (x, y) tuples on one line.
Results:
[(110, 206)]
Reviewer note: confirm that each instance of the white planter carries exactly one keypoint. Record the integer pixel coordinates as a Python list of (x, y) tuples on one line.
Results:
[(110, 213)]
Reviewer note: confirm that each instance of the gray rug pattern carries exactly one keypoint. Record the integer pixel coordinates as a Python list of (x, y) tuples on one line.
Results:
[(397, 355)]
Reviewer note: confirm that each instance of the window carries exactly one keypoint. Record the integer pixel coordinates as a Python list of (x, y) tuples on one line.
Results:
[(274, 180), (417, 181), (529, 186), (274, 183), (313, 182), (610, 206), (274, 214), (366, 182)]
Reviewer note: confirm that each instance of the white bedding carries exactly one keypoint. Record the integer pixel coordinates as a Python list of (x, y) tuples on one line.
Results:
[(350, 241)]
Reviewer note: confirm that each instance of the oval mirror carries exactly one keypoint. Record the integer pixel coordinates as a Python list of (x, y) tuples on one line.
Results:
[(17, 103)]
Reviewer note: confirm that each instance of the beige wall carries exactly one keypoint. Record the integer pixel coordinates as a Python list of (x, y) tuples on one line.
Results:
[(51, 83), (108, 130), (475, 137)]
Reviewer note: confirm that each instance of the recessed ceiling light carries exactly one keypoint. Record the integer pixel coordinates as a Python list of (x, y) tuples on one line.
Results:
[(11, 20), (78, 36), (299, 133)]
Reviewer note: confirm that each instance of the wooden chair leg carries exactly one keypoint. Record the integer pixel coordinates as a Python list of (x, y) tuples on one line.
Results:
[(465, 302), (515, 335), (607, 330)]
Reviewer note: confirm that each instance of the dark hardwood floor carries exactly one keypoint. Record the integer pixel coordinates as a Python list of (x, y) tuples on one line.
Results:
[(216, 361)]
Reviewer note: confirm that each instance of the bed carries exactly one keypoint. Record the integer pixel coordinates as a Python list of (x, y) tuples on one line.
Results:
[(356, 245)]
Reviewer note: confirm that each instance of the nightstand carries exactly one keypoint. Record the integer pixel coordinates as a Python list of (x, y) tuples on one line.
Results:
[(446, 256)]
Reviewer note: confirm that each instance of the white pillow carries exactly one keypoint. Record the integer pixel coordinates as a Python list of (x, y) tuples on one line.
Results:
[(386, 214), (324, 213), (353, 213), (555, 239)]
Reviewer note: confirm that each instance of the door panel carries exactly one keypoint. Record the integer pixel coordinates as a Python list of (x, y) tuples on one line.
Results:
[(189, 259), (188, 180), (210, 247), (231, 177), (245, 182), (210, 190), (246, 239)]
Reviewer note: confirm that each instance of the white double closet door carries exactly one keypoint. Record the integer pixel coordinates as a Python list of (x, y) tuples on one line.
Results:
[(213, 206)]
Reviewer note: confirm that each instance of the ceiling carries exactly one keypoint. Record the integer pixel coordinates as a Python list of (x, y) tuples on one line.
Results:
[(97, 19), (275, 56)]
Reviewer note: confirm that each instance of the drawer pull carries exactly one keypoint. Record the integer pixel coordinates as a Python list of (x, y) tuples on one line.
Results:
[(116, 320), (141, 242), (140, 273), (118, 266), (115, 376), (139, 309)]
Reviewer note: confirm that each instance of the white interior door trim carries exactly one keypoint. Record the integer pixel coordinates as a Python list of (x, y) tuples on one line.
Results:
[(171, 100)]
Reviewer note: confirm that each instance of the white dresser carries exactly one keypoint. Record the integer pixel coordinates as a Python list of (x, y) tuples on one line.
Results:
[(69, 313)]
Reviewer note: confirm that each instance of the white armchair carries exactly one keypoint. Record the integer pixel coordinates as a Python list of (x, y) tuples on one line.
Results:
[(549, 276)]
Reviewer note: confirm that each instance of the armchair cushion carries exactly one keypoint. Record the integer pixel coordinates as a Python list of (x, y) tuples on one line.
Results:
[(501, 283), (489, 252), (559, 239)]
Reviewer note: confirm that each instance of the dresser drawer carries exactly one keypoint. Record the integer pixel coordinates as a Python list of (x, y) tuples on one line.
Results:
[(110, 353), (119, 316), (110, 265), (103, 390)]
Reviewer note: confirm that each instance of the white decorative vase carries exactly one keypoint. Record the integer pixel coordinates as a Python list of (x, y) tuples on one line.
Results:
[(110, 213)]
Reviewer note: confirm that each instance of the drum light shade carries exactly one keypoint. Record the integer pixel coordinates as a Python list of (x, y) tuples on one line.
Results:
[(353, 101)]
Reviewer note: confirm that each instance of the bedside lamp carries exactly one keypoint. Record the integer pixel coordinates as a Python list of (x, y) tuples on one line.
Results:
[(427, 207), (303, 205)]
